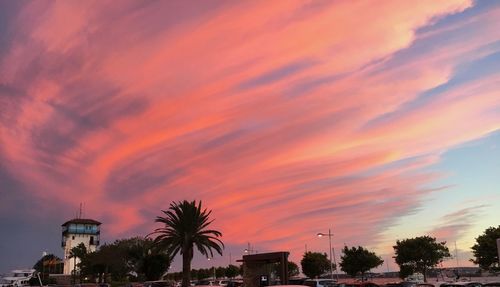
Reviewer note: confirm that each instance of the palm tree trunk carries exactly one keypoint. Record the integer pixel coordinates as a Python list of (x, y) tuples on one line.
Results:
[(74, 270), (187, 255)]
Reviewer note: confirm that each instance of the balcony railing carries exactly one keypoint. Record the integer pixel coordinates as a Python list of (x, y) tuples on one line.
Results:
[(91, 232)]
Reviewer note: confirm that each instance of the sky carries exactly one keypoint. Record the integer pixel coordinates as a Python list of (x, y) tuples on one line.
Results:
[(379, 120)]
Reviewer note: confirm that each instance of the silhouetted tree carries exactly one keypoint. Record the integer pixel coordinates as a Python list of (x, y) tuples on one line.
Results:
[(204, 273), (485, 250), (314, 264), (358, 260), (125, 256), (185, 226), (232, 271), (79, 252), (419, 254), (220, 272), (293, 269)]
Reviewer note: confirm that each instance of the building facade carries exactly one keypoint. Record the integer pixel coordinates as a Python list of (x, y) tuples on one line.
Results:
[(74, 232)]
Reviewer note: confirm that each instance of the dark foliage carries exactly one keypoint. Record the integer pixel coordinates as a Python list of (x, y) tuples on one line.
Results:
[(314, 264), (358, 260), (117, 260), (485, 250), (419, 254), (232, 271), (185, 226)]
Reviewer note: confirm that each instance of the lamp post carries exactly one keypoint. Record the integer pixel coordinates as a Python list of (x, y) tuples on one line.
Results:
[(250, 250), (210, 258), (330, 244)]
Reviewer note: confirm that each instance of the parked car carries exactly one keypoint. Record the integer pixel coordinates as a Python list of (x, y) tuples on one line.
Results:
[(296, 281), (159, 283), (203, 283), (492, 284), (405, 284), (234, 283), (359, 284), (85, 285), (221, 282), (462, 284), (320, 282)]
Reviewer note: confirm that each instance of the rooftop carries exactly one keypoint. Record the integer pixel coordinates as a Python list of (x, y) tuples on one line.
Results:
[(81, 221)]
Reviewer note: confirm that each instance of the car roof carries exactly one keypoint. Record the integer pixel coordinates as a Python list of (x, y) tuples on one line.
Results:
[(463, 283)]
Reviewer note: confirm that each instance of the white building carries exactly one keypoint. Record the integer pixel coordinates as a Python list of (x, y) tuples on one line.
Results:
[(76, 231)]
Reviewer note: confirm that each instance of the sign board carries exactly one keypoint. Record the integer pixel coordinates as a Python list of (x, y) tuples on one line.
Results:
[(264, 280)]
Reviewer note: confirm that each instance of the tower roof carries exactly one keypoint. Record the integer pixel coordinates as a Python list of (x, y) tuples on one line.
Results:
[(81, 221)]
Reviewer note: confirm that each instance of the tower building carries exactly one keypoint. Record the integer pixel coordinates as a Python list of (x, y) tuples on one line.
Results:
[(76, 231)]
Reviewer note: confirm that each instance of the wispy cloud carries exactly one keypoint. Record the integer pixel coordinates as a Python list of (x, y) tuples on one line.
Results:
[(283, 117), (454, 225)]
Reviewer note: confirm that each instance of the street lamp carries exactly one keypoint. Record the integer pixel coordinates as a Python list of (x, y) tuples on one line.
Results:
[(250, 250), (329, 234), (210, 258)]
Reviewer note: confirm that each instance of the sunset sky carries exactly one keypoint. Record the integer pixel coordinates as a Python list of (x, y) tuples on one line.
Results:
[(377, 119)]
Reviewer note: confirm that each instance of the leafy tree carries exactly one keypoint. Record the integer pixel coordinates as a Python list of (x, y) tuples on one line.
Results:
[(109, 259), (358, 260), (220, 272), (185, 226), (315, 264), (204, 274), (232, 271), (125, 256), (176, 276), (293, 269), (194, 273), (143, 257), (154, 266), (419, 254), (485, 250)]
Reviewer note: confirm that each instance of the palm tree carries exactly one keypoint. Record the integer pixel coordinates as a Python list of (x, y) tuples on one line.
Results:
[(78, 251), (185, 226)]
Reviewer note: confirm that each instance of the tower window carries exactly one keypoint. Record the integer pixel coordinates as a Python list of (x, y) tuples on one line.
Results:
[(73, 237), (91, 240)]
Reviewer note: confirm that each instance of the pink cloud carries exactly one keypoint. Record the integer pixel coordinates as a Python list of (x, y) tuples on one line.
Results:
[(128, 108)]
